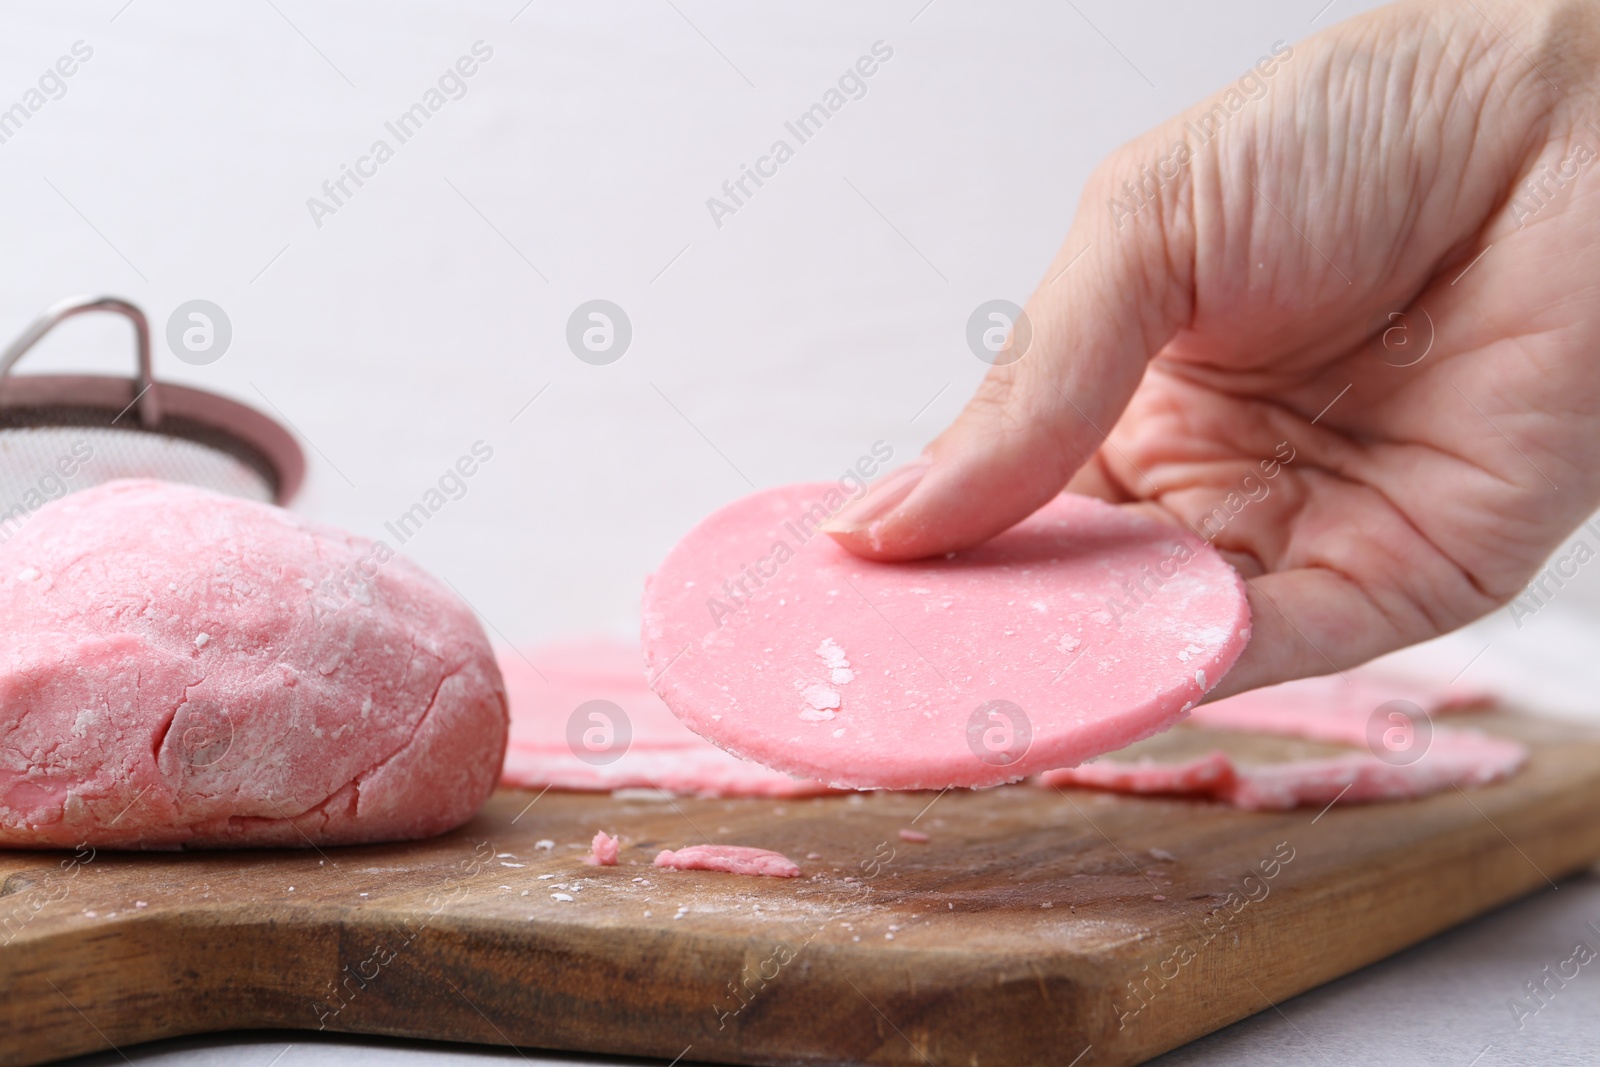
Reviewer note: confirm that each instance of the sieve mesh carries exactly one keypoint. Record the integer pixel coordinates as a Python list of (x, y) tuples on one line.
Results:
[(61, 434), (40, 463)]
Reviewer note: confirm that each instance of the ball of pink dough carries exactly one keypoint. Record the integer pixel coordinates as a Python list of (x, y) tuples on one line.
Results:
[(183, 669)]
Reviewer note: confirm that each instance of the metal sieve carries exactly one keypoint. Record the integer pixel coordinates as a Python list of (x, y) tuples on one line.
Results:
[(63, 433)]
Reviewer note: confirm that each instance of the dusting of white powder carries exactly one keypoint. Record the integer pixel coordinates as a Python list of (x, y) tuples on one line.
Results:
[(821, 697), (838, 666), (27, 574), (202, 639)]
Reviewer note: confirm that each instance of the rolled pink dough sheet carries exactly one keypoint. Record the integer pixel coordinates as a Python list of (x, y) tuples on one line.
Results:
[(1083, 629), (548, 683), (1332, 710), (729, 859), (184, 669)]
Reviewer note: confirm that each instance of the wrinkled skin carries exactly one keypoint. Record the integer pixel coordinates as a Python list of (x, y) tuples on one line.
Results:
[(1331, 230)]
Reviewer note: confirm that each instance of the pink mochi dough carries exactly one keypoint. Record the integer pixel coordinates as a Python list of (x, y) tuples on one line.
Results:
[(603, 850), (548, 684), (729, 859), (1080, 630), (1335, 710), (181, 669)]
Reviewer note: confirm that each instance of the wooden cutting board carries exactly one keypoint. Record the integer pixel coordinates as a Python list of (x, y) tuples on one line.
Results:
[(1035, 926)]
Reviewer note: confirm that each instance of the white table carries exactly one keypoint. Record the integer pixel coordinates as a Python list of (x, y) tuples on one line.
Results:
[(826, 313)]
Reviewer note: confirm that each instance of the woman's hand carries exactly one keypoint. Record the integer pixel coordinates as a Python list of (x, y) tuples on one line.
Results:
[(1378, 279)]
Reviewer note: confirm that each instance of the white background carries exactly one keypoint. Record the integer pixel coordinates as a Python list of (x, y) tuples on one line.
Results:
[(405, 328), (826, 314)]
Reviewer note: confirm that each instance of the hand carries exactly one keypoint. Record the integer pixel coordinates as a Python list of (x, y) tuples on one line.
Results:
[(1379, 254)]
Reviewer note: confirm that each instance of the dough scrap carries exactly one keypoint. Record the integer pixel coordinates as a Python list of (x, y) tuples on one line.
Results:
[(1331, 710), (1082, 629), (602, 850), (181, 669), (730, 859)]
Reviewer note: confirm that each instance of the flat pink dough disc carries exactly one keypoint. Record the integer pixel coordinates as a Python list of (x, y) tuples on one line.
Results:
[(1076, 632)]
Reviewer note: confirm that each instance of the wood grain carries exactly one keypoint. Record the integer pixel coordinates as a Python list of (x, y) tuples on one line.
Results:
[(1026, 931)]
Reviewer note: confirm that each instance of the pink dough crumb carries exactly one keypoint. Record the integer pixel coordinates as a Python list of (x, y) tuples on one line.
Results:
[(731, 859), (602, 850), (914, 836)]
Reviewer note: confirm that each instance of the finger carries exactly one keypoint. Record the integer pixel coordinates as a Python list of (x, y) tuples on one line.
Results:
[(1315, 621), (1113, 298), (1095, 479)]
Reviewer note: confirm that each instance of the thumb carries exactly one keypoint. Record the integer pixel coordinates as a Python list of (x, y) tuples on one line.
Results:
[(1116, 294)]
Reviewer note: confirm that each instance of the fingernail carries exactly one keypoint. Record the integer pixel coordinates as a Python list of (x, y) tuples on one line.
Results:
[(879, 500)]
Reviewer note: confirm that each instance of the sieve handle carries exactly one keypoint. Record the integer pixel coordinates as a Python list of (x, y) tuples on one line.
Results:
[(146, 398)]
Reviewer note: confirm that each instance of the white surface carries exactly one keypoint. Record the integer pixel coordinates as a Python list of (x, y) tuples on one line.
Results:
[(826, 314)]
